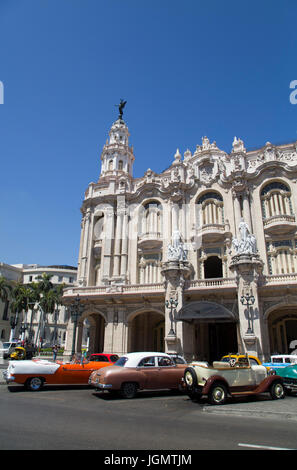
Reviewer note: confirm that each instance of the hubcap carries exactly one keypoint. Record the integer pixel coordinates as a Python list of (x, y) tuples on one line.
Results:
[(279, 390), (218, 394), (35, 383), (189, 379)]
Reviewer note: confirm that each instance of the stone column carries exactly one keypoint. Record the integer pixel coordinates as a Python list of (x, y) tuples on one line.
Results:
[(109, 235), (85, 247), (237, 210), (248, 269), (247, 211), (124, 255), (175, 274)]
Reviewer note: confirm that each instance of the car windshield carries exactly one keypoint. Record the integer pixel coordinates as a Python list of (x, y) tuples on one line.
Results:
[(121, 362), (6, 345), (114, 358), (95, 358)]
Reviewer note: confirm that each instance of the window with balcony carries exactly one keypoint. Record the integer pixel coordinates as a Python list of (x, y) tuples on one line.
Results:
[(210, 209), (276, 200), (150, 221)]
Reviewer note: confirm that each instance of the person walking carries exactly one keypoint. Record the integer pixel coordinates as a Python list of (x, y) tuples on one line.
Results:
[(55, 352)]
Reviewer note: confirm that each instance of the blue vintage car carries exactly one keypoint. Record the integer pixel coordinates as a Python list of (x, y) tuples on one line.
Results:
[(289, 376), (281, 360)]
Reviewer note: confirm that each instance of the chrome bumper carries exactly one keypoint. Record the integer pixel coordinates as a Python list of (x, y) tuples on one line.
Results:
[(100, 386), (7, 378)]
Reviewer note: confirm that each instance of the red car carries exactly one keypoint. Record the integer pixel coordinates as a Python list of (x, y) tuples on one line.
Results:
[(103, 357)]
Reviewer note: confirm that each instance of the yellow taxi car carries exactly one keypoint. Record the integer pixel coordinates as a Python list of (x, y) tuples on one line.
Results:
[(233, 358)]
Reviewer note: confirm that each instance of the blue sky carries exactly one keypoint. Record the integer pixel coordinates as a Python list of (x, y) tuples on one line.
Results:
[(186, 68)]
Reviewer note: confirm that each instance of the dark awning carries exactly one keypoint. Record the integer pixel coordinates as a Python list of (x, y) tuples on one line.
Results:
[(205, 312)]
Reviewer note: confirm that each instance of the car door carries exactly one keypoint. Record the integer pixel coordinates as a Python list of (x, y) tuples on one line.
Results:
[(169, 373), (75, 373), (149, 373)]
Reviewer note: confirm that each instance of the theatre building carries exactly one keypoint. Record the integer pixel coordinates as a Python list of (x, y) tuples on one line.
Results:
[(200, 259)]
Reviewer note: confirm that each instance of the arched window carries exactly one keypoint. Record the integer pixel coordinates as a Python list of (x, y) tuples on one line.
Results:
[(210, 209), (276, 200), (151, 218), (110, 165), (120, 164)]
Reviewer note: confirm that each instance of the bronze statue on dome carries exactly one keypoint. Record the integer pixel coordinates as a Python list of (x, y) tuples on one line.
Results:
[(121, 107)]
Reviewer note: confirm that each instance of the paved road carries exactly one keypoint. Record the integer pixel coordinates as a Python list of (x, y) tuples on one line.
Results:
[(79, 418)]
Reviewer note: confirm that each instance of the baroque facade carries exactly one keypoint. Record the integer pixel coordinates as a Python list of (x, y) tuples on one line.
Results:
[(200, 259)]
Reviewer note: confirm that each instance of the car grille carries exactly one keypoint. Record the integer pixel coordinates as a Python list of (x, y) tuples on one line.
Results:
[(290, 381)]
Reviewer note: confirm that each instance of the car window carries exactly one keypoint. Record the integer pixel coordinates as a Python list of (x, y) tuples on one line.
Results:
[(253, 362), (164, 362), (178, 360), (147, 362), (99, 358), (121, 361), (288, 360), (114, 358), (277, 359)]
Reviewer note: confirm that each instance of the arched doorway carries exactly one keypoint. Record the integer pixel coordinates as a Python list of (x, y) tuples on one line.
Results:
[(211, 331), (95, 334), (282, 325), (146, 332)]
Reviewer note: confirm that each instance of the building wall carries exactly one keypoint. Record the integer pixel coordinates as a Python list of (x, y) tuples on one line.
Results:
[(128, 224)]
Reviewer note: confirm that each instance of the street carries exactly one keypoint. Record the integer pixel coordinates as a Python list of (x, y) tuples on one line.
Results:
[(77, 417)]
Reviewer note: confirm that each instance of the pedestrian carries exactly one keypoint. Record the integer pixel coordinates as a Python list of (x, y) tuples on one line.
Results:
[(55, 352)]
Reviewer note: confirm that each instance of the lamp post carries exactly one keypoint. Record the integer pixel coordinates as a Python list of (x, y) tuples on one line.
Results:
[(75, 311), (13, 323), (171, 304), (248, 300)]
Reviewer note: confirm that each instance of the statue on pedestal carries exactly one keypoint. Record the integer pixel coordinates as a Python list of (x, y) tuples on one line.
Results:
[(121, 107), (247, 243), (177, 251)]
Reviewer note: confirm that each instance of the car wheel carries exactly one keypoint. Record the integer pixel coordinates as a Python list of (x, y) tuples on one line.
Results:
[(190, 378), (34, 384), (217, 395), (129, 389), (277, 391)]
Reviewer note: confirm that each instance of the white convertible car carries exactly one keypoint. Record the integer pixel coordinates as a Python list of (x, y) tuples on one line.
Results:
[(233, 378)]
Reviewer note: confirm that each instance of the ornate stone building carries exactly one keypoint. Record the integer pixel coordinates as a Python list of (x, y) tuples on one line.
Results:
[(215, 232)]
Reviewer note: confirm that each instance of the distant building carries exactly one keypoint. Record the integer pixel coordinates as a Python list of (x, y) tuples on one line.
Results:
[(54, 329), (215, 232), (12, 274)]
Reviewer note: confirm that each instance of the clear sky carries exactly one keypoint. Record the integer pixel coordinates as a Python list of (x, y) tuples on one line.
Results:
[(186, 68)]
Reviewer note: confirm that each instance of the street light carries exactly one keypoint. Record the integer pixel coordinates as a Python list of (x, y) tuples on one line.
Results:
[(76, 310), (13, 323), (171, 304), (248, 300)]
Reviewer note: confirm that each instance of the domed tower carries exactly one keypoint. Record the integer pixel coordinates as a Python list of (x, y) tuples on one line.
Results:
[(117, 156)]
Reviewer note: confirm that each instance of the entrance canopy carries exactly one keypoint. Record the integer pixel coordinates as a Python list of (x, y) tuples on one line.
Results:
[(205, 312)]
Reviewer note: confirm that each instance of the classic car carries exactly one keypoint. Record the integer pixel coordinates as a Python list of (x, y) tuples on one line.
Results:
[(232, 378), (8, 347), (289, 376), (103, 357), (281, 360), (139, 371), (35, 373), (253, 359)]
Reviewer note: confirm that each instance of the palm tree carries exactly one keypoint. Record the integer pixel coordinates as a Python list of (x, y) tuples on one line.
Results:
[(5, 289), (50, 296)]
